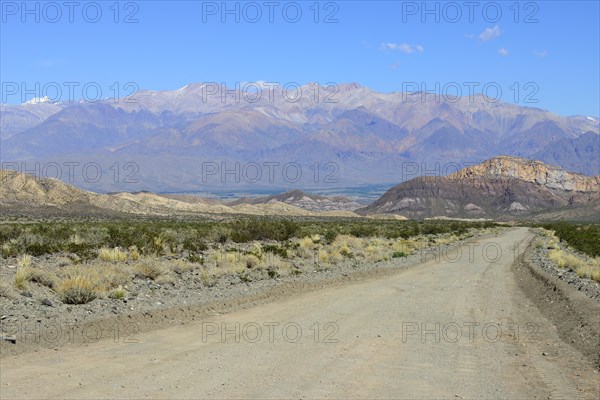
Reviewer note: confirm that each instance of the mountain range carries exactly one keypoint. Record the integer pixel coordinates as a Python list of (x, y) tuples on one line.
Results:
[(198, 138)]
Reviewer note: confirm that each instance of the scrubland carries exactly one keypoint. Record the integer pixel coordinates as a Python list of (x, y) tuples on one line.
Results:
[(78, 262)]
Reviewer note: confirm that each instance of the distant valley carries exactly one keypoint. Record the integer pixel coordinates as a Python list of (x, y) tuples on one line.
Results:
[(501, 188)]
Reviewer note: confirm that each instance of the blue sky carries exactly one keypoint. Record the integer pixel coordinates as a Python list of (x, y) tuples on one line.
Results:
[(549, 49)]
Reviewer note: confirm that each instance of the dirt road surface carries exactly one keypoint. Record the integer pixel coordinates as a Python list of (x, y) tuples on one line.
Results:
[(456, 327)]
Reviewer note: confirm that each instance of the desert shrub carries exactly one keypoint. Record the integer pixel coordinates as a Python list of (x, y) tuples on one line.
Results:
[(208, 277), (194, 245), (182, 266), (276, 249), (256, 250), (85, 251), (109, 276), (77, 290), (9, 249), (196, 259), (251, 261), (363, 231), (398, 254), (150, 269), (579, 236), (330, 235), (246, 230), (42, 277)]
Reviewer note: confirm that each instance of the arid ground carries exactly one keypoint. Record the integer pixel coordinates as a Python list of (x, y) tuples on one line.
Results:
[(465, 326)]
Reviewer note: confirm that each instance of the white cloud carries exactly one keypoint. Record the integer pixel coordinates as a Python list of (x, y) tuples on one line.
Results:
[(541, 54), (490, 33), (403, 47), (503, 52), (469, 35)]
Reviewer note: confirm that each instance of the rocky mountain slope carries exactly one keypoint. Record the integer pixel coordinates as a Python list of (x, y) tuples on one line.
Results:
[(341, 136), (579, 154), (502, 187)]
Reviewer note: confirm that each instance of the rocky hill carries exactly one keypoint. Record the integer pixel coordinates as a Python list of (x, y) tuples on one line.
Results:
[(27, 194), (307, 201), (502, 187), (530, 171)]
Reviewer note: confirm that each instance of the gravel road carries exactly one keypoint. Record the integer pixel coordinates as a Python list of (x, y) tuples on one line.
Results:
[(450, 328)]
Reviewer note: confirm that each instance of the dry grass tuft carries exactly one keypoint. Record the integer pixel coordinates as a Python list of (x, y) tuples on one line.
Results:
[(182, 266), (112, 255), (24, 261), (134, 253), (118, 293), (150, 269), (77, 290), (565, 260), (42, 277), (21, 278)]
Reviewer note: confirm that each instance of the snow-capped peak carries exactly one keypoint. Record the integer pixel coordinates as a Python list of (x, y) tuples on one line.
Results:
[(38, 100)]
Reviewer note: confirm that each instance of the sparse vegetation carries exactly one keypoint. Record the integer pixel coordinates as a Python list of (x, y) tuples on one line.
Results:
[(585, 238), (99, 259), (564, 256), (155, 237)]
